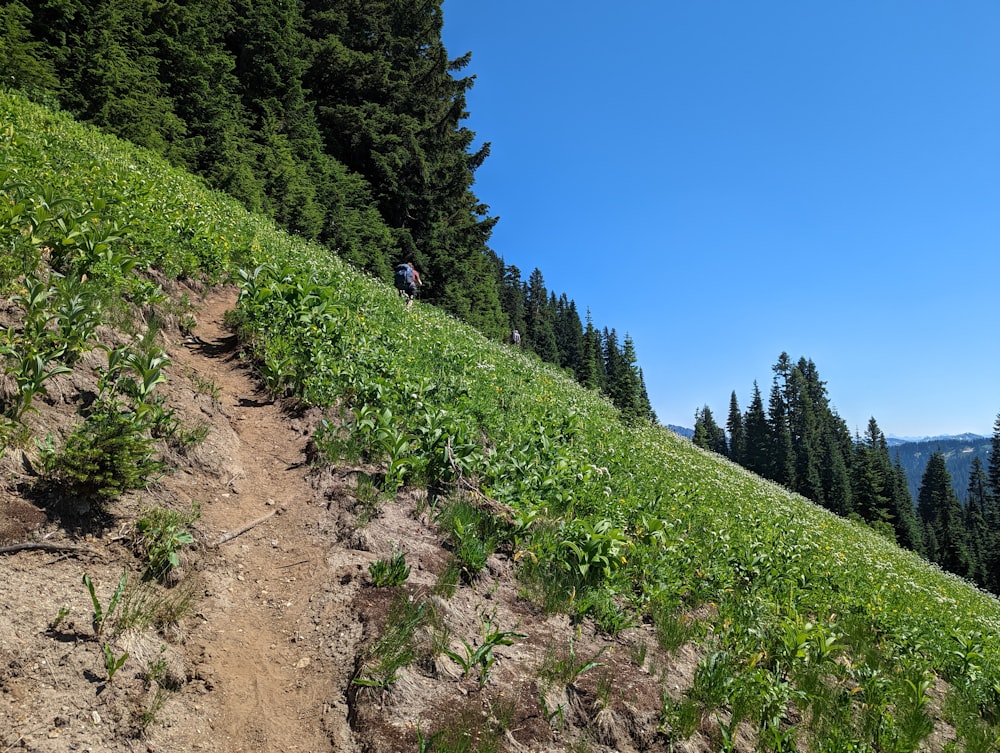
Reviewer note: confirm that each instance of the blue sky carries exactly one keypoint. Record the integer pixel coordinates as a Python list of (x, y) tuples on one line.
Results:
[(726, 180)]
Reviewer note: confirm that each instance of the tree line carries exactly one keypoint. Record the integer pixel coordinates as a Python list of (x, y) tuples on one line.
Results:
[(342, 120), (800, 442)]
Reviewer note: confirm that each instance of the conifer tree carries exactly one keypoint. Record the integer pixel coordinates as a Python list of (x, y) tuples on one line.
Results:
[(993, 473), (734, 425), (869, 484), (977, 531), (512, 296), (781, 465), (805, 432), (632, 401), (539, 315), (613, 368), (941, 514), (591, 370), (756, 436), (908, 531), (22, 57), (569, 333), (644, 401), (835, 476), (707, 433)]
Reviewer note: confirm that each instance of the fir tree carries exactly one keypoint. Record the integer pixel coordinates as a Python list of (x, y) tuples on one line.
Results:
[(539, 315), (979, 540), (707, 433), (941, 514), (781, 458), (734, 425), (757, 436), (590, 372), (22, 57)]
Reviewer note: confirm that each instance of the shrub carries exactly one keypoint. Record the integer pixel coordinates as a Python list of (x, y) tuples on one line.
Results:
[(105, 456)]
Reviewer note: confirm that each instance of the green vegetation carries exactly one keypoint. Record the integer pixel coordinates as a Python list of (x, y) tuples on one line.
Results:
[(802, 444), (390, 572), (348, 130), (816, 632), (159, 536)]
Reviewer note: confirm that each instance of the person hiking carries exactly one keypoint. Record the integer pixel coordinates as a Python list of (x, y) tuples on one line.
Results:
[(407, 280), (515, 337)]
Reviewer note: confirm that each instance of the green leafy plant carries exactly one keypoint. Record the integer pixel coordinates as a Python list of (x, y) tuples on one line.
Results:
[(159, 536), (390, 572), (101, 614), (395, 649), (483, 656), (565, 668), (112, 663)]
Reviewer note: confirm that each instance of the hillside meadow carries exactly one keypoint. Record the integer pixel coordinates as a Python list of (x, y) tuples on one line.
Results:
[(813, 633)]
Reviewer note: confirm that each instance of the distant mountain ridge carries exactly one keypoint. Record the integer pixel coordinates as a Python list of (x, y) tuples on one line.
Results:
[(682, 430), (967, 437), (958, 450), (913, 453)]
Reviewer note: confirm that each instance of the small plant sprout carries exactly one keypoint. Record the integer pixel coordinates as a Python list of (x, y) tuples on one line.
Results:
[(101, 615), (483, 656), (112, 663), (60, 616)]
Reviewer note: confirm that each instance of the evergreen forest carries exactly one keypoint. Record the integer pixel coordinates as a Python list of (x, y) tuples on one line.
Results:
[(798, 440), (340, 120)]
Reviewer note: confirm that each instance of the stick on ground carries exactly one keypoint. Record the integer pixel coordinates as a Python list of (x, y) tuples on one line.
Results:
[(239, 531)]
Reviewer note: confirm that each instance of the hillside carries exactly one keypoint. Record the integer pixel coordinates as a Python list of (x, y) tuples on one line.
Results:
[(405, 537)]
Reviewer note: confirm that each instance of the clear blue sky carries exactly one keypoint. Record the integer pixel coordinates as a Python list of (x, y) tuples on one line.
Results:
[(726, 180)]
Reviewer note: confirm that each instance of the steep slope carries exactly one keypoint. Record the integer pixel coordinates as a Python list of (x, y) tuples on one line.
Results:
[(551, 576), (280, 616)]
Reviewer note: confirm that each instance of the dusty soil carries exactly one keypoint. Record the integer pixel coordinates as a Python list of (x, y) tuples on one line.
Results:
[(278, 619)]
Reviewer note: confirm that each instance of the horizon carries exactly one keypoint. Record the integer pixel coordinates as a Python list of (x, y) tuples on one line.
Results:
[(693, 173)]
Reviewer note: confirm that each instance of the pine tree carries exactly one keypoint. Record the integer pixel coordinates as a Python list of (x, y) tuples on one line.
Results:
[(734, 425), (869, 484), (835, 476), (644, 402), (591, 370), (391, 106), (707, 433), (805, 431), (613, 369), (569, 333), (993, 473), (22, 57), (941, 514), (977, 531), (632, 401), (781, 458), (908, 531), (512, 297), (539, 315), (757, 437)]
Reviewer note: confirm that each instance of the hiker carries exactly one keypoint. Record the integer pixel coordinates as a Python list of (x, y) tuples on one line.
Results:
[(407, 281), (515, 337)]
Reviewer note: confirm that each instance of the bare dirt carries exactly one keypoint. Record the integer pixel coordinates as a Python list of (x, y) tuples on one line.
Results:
[(278, 618)]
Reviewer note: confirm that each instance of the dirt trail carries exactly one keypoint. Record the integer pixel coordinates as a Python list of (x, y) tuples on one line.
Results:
[(258, 639)]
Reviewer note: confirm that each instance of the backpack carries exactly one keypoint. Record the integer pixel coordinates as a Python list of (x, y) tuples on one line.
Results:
[(404, 276)]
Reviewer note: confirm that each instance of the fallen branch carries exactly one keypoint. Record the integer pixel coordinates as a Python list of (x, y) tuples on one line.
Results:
[(240, 531), (45, 546)]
